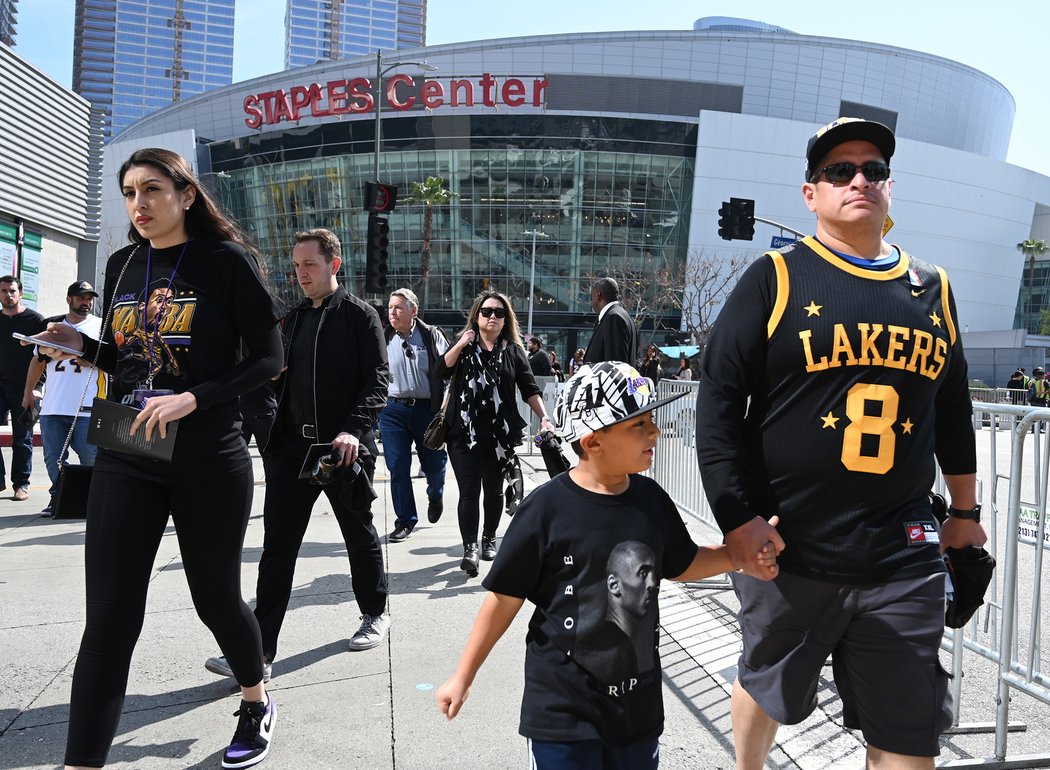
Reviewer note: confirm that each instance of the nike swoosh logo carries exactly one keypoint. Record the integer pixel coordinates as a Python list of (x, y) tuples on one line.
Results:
[(916, 534), (266, 728), (917, 293)]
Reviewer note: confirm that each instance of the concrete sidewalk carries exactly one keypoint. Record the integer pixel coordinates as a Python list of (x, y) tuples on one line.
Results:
[(339, 709)]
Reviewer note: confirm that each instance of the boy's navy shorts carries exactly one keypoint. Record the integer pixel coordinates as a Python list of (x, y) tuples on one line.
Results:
[(643, 754), (883, 640)]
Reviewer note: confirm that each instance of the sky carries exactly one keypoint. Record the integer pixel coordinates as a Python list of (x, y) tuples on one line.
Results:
[(1005, 40)]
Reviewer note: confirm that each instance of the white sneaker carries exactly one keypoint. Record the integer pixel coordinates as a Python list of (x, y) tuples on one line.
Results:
[(370, 634), (218, 665)]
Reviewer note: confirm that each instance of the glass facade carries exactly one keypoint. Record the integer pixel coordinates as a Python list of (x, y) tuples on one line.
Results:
[(8, 20), (134, 57), (608, 206), (1034, 296), (326, 30)]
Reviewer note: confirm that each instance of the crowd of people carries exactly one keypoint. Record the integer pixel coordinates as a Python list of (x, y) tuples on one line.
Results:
[(836, 553)]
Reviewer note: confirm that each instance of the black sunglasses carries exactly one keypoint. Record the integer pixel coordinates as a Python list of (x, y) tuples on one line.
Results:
[(840, 173), (488, 312), (409, 353)]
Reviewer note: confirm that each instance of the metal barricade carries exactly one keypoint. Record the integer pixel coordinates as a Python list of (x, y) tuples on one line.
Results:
[(1006, 631), (549, 388), (674, 465)]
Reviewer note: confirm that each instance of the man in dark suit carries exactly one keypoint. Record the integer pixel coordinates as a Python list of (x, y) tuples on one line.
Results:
[(539, 361), (615, 335)]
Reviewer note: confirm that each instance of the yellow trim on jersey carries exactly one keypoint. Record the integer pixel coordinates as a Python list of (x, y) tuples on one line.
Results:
[(945, 304), (783, 289), (102, 383), (873, 275)]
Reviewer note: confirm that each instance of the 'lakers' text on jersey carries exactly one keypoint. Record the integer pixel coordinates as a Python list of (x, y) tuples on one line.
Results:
[(859, 381)]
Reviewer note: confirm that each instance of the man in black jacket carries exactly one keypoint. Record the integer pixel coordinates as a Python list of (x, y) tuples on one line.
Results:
[(14, 365), (615, 336), (539, 361), (330, 394), (415, 396)]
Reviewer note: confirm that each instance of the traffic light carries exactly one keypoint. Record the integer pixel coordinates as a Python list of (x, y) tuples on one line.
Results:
[(742, 213), (736, 219), (376, 254), (380, 198), (725, 225)]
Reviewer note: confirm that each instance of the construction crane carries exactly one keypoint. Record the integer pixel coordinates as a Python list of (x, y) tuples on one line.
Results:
[(177, 73), (334, 50)]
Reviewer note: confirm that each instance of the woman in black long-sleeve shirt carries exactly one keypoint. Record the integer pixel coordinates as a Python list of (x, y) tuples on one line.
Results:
[(484, 425), (179, 301)]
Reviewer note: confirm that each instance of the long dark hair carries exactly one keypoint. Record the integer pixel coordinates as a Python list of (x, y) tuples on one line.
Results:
[(205, 218), (510, 332)]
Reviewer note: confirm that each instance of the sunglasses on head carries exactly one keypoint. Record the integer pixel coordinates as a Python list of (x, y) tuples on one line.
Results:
[(840, 173), (488, 312), (409, 353)]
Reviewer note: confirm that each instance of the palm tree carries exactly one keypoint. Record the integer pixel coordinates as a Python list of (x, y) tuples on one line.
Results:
[(1031, 248), (430, 193)]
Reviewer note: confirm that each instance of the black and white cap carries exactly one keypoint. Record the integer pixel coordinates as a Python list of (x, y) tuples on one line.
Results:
[(602, 395)]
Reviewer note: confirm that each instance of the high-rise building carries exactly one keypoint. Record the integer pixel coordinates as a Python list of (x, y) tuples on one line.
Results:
[(327, 30), (133, 57), (8, 11)]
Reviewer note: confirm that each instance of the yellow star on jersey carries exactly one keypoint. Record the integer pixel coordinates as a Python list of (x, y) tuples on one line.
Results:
[(935, 318), (907, 425), (829, 420), (812, 308)]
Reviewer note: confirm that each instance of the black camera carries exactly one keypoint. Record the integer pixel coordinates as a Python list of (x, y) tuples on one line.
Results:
[(325, 468)]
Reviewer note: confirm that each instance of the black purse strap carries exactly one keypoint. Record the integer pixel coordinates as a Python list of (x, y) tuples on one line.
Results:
[(94, 363)]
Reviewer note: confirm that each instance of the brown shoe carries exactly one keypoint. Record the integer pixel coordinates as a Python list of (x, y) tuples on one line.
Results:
[(21, 493)]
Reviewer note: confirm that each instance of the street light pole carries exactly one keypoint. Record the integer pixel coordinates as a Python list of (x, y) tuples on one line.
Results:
[(532, 273), (378, 106)]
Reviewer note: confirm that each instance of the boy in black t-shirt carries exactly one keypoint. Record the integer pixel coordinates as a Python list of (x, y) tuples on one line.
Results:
[(588, 549)]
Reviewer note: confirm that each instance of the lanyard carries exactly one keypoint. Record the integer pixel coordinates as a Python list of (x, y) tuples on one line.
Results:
[(155, 333)]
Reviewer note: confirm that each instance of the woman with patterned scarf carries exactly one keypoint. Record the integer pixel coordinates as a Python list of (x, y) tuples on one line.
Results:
[(487, 362)]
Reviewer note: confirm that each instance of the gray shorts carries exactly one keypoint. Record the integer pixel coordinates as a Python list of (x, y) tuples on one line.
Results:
[(883, 640)]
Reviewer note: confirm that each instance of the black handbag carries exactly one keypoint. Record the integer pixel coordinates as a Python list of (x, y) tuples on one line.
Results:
[(971, 571), (436, 434), (71, 492)]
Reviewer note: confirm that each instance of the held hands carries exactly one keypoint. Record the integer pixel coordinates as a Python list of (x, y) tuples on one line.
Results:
[(348, 447), (753, 547), (451, 696), (546, 424), (160, 410)]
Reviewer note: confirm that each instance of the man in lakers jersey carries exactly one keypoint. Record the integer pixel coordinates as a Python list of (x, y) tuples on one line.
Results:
[(833, 382)]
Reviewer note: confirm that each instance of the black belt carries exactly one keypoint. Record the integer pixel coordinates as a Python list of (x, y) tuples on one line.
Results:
[(406, 401)]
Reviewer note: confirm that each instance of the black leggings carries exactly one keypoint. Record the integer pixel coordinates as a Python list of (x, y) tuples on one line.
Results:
[(476, 469), (127, 515)]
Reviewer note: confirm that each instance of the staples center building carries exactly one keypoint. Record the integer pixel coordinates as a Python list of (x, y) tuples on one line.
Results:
[(619, 148)]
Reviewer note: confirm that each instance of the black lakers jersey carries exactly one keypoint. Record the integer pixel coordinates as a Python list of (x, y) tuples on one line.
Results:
[(827, 391)]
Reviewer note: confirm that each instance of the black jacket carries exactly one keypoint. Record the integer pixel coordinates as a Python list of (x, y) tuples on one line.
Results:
[(351, 373), (437, 384), (515, 372), (615, 338)]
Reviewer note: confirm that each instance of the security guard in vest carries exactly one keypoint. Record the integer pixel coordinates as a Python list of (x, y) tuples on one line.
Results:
[(1039, 390)]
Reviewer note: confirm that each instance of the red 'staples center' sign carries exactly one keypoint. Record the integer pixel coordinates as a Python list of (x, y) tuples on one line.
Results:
[(354, 96)]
